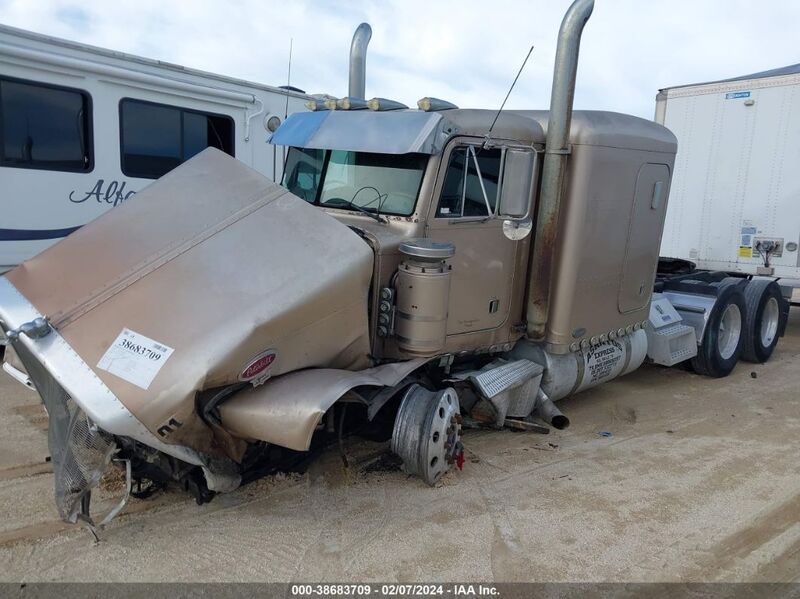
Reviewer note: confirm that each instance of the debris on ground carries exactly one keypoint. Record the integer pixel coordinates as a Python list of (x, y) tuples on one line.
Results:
[(526, 425), (113, 480), (387, 462)]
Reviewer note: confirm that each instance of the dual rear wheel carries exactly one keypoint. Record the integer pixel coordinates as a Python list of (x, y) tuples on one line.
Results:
[(764, 301), (744, 323)]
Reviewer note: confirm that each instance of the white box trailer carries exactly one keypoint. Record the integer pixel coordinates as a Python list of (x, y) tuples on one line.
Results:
[(734, 204), (82, 129)]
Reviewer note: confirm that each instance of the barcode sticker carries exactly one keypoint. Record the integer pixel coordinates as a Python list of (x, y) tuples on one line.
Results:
[(135, 358)]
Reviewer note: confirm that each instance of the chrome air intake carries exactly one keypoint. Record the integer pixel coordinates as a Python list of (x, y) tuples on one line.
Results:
[(423, 295)]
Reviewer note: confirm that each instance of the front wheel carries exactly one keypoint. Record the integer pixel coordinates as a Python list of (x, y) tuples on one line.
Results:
[(723, 338), (427, 432)]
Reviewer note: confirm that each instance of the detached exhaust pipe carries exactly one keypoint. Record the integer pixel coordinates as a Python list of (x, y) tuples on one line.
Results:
[(547, 411), (555, 161), (358, 62)]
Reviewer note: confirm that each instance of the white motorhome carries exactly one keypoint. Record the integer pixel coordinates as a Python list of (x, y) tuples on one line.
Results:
[(83, 129), (734, 204)]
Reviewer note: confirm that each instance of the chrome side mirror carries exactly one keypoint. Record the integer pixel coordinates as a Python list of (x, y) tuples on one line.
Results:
[(516, 192)]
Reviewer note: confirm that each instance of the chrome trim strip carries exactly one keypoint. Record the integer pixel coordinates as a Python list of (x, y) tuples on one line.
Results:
[(80, 381)]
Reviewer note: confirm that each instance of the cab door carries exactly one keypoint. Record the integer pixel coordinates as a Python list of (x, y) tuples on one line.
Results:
[(463, 212)]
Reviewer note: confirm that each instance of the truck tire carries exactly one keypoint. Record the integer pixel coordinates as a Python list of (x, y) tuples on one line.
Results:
[(762, 321), (723, 337)]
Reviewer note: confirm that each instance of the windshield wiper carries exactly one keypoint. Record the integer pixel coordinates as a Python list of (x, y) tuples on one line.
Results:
[(337, 202), (373, 213), (379, 197)]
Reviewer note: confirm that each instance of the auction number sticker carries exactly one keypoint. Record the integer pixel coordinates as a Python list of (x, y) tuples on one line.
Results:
[(135, 358)]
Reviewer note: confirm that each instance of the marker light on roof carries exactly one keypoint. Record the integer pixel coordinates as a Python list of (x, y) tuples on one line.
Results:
[(349, 103), (316, 104), (433, 104), (330, 103), (382, 104)]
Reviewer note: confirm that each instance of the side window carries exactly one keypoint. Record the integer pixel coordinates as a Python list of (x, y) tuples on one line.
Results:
[(44, 126), (471, 182), (155, 138)]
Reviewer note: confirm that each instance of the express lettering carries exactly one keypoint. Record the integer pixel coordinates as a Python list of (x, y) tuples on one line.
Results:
[(602, 360), (114, 193), (603, 352)]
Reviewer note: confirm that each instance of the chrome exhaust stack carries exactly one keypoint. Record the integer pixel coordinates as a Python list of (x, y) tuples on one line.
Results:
[(555, 161), (358, 62)]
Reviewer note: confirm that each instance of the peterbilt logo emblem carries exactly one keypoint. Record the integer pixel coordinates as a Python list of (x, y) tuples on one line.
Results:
[(258, 369)]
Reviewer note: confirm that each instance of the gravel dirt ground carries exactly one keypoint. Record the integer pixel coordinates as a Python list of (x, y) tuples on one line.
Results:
[(698, 481)]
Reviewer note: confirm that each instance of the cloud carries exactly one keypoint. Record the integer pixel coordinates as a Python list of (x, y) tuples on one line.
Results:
[(466, 51)]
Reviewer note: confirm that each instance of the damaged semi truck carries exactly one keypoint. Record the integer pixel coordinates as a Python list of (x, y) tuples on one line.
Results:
[(411, 272)]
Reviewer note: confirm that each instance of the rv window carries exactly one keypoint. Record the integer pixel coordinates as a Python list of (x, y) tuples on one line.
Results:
[(44, 127), (462, 193), (155, 138)]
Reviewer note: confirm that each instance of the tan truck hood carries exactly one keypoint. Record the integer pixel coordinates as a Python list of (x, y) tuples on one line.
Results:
[(210, 275)]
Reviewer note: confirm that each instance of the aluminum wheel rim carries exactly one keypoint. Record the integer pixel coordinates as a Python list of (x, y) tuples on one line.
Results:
[(730, 330), (769, 322), (427, 432)]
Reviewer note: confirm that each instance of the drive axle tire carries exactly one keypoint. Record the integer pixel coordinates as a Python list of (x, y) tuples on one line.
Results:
[(723, 337), (762, 320)]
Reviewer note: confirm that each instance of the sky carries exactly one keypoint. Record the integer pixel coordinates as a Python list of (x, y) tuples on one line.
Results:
[(465, 51)]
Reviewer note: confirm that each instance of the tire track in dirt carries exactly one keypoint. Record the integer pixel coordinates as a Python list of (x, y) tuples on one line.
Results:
[(25, 471), (768, 549), (51, 528)]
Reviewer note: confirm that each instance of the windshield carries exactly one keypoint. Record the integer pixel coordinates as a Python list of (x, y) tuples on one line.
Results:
[(380, 183)]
